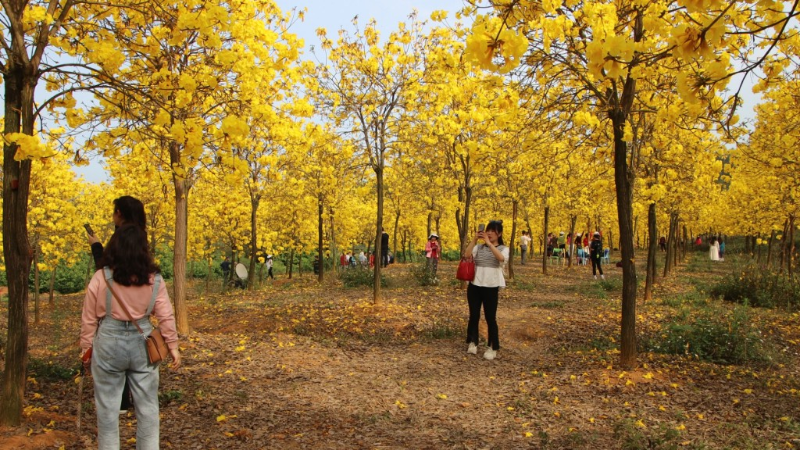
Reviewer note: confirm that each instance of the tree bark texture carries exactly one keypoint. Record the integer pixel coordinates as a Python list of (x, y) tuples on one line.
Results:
[(652, 248), (179, 253), (19, 86)]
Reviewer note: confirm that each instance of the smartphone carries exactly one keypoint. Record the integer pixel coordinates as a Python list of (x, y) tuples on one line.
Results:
[(88, 229), (481, 227)]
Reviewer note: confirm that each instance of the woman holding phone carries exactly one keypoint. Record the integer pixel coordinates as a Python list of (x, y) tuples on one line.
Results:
[(490, 259), (127, 210), (118, 352)]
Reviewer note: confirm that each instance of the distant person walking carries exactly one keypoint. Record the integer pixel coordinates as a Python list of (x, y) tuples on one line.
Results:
[(269, 267), (384, 247), (596, 254), (490, 258), (713, 249), (225, 265), (433, 252), (525, 242)]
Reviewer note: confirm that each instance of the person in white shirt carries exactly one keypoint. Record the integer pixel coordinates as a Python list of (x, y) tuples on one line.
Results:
[(490, 259), (525, 242)]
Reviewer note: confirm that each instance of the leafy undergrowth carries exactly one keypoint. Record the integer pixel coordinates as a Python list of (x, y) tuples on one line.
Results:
[(298, 365)]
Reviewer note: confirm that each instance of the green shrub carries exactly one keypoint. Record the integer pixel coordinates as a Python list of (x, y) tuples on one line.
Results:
[(424, 275), (759, 287), (451, 255), (51, 371), (69, 279), (710, 335), (355, 277)]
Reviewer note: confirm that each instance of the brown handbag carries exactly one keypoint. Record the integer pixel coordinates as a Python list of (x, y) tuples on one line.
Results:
[(157, 349)]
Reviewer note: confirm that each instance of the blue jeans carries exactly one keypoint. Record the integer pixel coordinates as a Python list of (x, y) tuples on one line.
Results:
[(119, 352), (488, 297)]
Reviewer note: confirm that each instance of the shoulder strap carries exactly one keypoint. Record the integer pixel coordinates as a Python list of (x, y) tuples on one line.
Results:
[(124, 308), (109, 279), (156, 282)]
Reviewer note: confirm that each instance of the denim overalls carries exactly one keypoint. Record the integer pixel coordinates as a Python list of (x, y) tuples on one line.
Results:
[(119, 351)]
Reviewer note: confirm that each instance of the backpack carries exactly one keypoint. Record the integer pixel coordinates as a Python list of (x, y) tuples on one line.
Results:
[(596, 247)]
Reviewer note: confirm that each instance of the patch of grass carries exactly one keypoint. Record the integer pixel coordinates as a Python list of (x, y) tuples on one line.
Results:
[(424, 274), (51, 371), (524, 286), (359, 277), (594, 290), (610, 284), (169, 396), (759, 287), (445, 329), (711, 334), (693, 298), (632, 436), (555, 304)]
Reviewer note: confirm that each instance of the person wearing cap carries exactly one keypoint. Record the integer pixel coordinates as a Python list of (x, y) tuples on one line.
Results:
[(596, 254), (432, 252), (269, 267), (562, 242)]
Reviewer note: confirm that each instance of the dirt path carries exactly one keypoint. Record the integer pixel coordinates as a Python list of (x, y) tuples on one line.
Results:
[(297, 366)]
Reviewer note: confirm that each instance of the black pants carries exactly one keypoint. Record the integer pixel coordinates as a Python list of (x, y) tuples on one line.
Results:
[(486, 296), (385, 256), (596, 265)]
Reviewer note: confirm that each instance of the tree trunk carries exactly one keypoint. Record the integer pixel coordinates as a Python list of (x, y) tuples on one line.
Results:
[(255, 200), (291, 263), (394, 234), (51, 300), (685, 242), (19, 87), (670, 244), (790, 246), (510, 262), (320, 239), (623, 179), (674, 242), (784, 245), (652, 248), (37, 317), (334, 249), (572, 246), (769, 248), (376, 275), (179, 251), (544, 234), (208, 275), (429, 224)]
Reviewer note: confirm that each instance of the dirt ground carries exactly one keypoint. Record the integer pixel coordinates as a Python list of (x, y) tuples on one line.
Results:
[(296, 365)]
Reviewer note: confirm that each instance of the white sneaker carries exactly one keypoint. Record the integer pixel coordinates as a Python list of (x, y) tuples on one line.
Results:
[(603, 277), (490, 354), (595, 277), (473, 349)]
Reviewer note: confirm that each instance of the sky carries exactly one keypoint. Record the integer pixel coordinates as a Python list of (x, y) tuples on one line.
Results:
[(335, 15)]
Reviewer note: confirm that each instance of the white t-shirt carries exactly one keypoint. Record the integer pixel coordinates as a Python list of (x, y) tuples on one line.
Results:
[(526, 240), (489, 276)]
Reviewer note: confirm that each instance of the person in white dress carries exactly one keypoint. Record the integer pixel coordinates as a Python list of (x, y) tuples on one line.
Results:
[(713, 249)]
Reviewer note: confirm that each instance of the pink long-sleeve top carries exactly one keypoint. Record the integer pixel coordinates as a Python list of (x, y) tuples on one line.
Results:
[(136, 298)]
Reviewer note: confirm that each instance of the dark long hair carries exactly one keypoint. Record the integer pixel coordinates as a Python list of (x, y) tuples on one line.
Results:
[(132, 210), (496, 226), (128, 256)]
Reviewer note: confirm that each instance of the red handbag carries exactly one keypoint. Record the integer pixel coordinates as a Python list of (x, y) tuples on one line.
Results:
[(466, 269)]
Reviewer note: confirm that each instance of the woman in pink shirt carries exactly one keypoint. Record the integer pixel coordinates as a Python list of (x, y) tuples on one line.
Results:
[(118, 349)]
